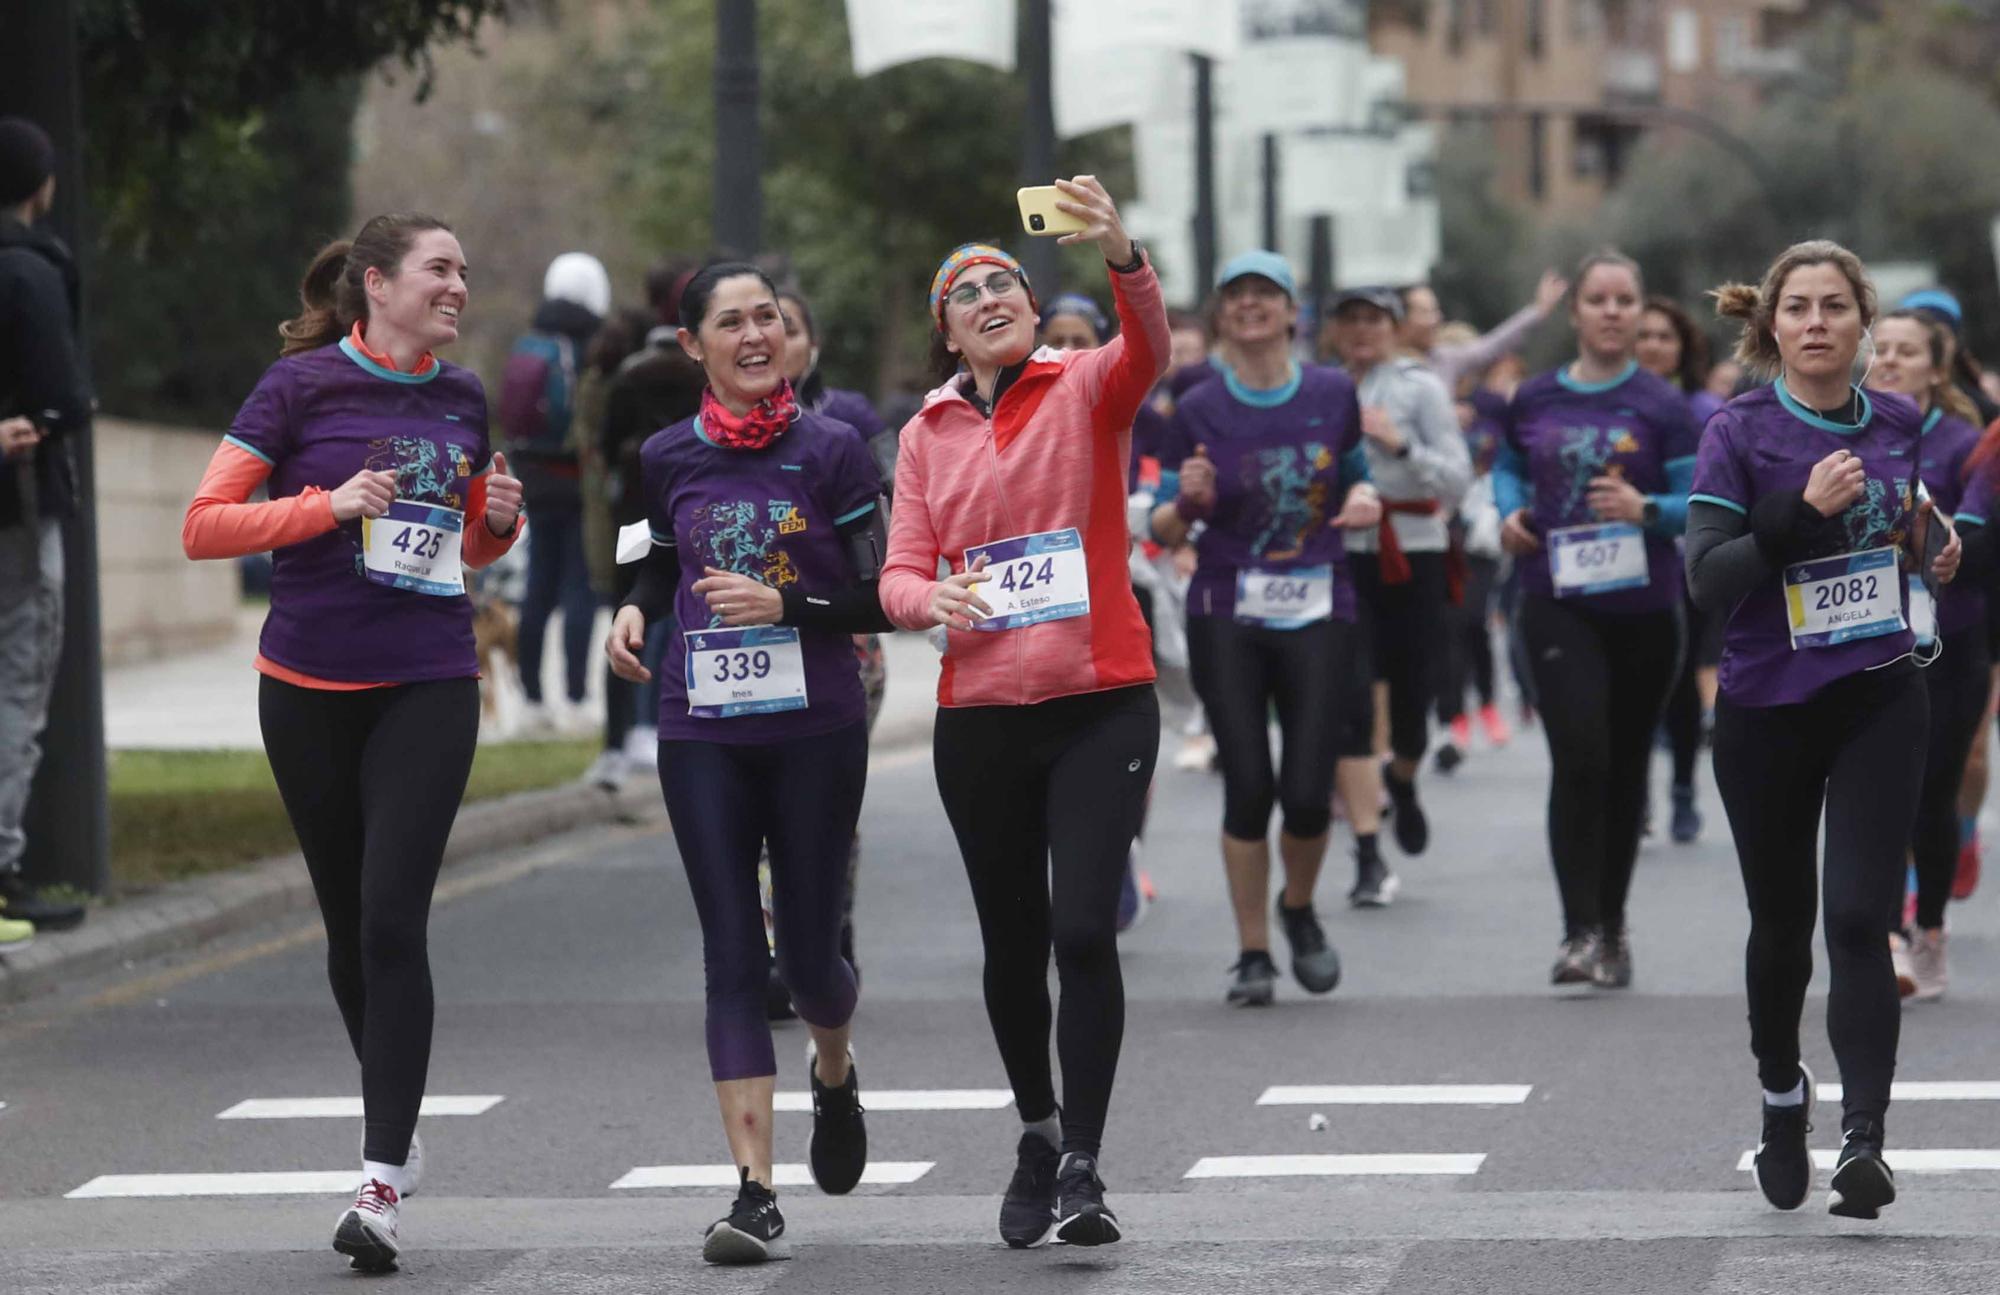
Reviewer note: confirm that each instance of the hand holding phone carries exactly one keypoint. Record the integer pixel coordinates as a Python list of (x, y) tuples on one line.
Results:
[(1041, 217)]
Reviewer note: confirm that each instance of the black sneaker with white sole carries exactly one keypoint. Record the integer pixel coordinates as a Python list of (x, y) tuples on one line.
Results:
[(1314, 963), (1253, 980), (1375, 886), (752, 1233), (1082, 1217), (1783, 1165), (1862, 1183), (839, 1149), (1028, 1210)]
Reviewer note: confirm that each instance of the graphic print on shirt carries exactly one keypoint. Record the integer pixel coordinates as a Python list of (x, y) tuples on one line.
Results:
[(742, 537), (1584, 455), (1871, 521), (1294, 504), (427, 472)]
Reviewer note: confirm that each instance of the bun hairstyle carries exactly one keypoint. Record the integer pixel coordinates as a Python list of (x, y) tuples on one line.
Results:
[(334, 293), (1757, 305)]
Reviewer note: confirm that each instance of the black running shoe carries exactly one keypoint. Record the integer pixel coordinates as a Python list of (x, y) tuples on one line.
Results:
[(1028, 1210), (1082, 1217), (1449, 757), (754, 1231), (1375, 886), (839, 1150), (1253, 981), (1314, 962), (1614, 961), (1576, 964), (1413, 830), (1783, 1164), (1862, 1183)]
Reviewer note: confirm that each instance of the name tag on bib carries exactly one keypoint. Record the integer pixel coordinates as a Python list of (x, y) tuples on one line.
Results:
[(754, 670), (1840, 599), (416, 547), (1587, 560), (1034, 578), (1285, 600)]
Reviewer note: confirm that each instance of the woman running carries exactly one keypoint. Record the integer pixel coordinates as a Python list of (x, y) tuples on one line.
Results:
[(1014, 472), (1910, 358), (766, 531), (383, 488), (1592, 481), (1805, 513), (1671, 347), (1275, 468)]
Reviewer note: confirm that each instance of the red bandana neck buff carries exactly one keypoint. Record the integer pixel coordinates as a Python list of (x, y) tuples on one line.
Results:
[(749, 431)]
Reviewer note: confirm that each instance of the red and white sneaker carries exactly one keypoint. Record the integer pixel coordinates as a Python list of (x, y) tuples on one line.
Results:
[(1966, 880), (1495, 724), (367, 1232)]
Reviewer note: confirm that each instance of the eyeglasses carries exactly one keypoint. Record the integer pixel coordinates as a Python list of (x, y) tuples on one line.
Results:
[(1001, 284)]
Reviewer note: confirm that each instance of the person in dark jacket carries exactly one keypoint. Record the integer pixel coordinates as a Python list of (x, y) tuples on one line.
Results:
[(537, 402), (44, 401)]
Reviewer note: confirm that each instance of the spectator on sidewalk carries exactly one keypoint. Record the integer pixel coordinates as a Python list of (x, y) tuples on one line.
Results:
[(44, 400), (537, 401)]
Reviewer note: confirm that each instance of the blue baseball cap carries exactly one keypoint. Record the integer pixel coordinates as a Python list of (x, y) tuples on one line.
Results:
[(1263, 264), (1938, 302)]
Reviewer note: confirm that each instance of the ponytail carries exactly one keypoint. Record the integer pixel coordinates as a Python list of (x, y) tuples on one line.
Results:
[(319, 323), (334, 292)]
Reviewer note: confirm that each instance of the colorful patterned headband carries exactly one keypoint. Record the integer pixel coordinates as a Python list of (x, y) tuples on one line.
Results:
[(963, 258)]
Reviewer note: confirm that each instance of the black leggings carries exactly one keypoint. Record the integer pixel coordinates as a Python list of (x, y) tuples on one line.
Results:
[(724, 801), (1045, 800), (1846, 750), (1402, 633), (1683, 715), (1957, 682), (1467, 658), (372, 781), (1602, 679), (1241, 672)]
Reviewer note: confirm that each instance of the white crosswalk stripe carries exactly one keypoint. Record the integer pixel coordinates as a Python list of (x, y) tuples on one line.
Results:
[(342, 1108), (885, 1173)]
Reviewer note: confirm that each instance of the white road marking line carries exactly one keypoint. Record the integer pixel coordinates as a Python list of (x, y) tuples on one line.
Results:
[(911, 1099), (886, 1173), (1928, 1090), (1902, 1160), (1395, 1095), (338, 1182), (342, 1108), (1333, 1166)]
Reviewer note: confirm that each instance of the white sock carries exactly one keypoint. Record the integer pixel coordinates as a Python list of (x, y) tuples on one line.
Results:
[(1796, 1097), (1050, 1129), (396, 1176)]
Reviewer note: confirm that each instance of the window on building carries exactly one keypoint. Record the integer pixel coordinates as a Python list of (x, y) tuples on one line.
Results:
[(1489, 17), (1538, 143), (1683, 39), (1537, 28), (1454, 25), (1586, 21)]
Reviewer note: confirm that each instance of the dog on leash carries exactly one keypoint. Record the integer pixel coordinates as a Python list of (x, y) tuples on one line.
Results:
[(496, 630)]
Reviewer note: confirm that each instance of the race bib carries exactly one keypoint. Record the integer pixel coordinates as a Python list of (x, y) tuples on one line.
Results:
[(1032, 578), (1839, 599), (1586, 560), (1285, 600), (416, 547), (1923, 611), (754, 670)]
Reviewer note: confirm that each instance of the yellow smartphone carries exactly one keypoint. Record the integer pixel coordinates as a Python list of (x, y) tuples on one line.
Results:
[(1039, 214)]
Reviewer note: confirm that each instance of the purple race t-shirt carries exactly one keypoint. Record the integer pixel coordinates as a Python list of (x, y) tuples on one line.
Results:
[(1947, 444), (1765, 441), (770, 514), (318, 418), (1284, 460), (1636, 426)]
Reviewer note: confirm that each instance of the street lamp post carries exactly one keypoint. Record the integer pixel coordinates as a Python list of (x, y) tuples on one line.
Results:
[(1038, 142), (739, 152)]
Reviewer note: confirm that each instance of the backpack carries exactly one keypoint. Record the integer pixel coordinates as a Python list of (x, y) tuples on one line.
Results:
[(538, 393)]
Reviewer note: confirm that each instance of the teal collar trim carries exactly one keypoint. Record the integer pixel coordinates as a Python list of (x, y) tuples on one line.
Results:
[(1812, 419), (1932, 418), (699, 432), (1595, 388), (348, 349), (1266, 397)]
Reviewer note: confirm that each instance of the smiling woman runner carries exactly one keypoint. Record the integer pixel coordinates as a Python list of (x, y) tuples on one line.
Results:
[(1592, 483), (376, 458), (766, 536), (1805, 514), (1014, 471)]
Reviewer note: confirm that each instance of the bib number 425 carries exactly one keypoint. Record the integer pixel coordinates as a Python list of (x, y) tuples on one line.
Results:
[(419, 541)]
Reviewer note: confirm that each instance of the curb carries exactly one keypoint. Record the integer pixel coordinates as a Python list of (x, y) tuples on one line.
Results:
[(191, 913)]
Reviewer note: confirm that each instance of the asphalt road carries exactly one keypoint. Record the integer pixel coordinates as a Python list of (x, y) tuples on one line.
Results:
[(1596, 1149)]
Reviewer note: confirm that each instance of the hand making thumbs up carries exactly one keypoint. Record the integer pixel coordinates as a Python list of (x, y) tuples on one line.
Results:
[(503, 498)]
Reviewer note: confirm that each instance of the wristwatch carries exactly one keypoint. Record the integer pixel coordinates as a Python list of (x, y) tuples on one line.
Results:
[(1133, 265), (1650, 514)]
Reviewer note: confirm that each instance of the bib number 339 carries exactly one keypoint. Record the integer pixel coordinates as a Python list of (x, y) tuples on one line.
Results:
[(1032, 578), (749, 671), (416, 547), (1840, 599)]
